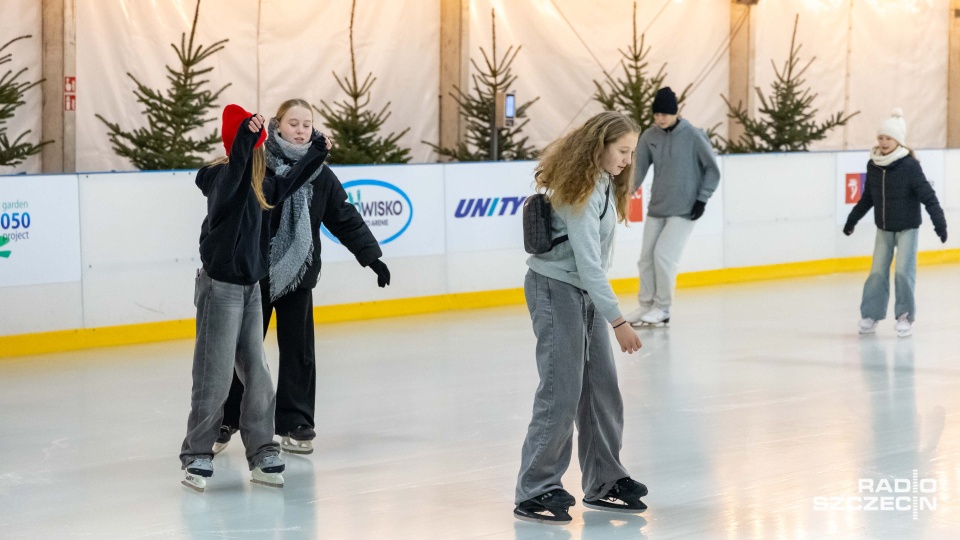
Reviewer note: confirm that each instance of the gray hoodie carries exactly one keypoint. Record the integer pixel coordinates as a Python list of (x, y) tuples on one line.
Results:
[(584, 259), (684, 168)]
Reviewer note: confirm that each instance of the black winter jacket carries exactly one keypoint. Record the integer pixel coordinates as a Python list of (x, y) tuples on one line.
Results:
[(895, 193), (330, 207), (234, 246)]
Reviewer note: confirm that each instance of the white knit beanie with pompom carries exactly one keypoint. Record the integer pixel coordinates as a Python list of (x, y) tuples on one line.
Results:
[(894, 127)]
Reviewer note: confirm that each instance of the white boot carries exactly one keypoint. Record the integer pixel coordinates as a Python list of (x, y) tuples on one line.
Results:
[(267, 472), (904, 327), (655, 316), (634, 316), (868, 326)]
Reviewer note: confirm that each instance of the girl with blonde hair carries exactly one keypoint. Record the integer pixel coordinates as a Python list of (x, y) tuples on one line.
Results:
[(587, 176)]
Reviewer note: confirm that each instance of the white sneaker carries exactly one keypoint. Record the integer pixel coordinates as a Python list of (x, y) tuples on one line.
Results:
[(655, 316), (904, 327), (634, 316), (868, 326)]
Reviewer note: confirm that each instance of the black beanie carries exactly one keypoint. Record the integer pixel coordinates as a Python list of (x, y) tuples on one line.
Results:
[(665, 102)]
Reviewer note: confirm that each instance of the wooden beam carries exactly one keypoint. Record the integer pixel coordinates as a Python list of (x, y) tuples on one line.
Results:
[(454, 59), (953, 78), (51, 128), (742, 54)]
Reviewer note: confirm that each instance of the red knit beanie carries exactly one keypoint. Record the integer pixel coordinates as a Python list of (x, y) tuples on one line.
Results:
[(233, 117)]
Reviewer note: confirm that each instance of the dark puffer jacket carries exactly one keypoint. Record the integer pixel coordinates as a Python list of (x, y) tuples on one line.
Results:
[(895, 193)]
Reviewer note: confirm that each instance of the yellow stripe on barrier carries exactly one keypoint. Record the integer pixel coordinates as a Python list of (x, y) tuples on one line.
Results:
[(86, 338)]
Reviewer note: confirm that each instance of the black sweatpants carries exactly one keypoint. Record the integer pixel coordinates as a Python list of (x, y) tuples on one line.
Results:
[(297, 374)]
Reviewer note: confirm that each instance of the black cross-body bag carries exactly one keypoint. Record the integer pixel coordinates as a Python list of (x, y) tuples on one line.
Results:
[(537, 222)]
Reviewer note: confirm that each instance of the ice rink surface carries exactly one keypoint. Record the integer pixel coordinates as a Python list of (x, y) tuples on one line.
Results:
[(756, 407)]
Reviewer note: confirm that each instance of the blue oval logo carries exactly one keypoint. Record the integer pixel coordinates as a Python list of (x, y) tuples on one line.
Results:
[(385, 208)]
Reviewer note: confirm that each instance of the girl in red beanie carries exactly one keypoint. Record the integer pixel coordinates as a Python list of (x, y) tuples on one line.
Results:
[(234, 247)]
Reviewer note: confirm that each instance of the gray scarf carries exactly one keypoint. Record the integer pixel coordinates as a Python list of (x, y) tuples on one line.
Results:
[(291, 250)]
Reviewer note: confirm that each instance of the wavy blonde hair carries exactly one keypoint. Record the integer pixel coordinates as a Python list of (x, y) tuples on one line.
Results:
[(259, 164), (569, 166)]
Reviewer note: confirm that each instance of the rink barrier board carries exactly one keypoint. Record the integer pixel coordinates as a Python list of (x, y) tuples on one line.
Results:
[(110, 336)]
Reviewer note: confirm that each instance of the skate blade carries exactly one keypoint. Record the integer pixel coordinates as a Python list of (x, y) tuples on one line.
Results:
[(266, 483), (296, 450), (529, 519), (194, 487), (617, 510), (219, 447)]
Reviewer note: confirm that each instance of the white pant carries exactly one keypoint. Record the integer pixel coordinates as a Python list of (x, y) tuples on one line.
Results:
[(663, 243)]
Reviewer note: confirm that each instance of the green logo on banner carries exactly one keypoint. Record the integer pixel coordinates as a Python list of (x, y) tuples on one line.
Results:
[(4, 241)]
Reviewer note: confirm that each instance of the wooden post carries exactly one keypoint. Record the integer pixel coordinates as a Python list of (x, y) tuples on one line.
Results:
[(953, 78), (454, 58), (58, 62), (741, 63)]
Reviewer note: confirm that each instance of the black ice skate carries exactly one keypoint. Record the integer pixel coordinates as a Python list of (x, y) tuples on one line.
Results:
[(623, 497), (549, 508)]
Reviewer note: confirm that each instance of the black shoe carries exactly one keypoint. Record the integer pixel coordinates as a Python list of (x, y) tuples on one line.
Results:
[(549, 508), (225, 433), (623, 497), (303, 433)]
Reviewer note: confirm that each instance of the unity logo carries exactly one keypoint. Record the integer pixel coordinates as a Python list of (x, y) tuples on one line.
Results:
[(886, 495)]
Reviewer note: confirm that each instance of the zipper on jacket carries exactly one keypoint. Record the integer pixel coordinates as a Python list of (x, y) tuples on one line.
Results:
[(883, 191)]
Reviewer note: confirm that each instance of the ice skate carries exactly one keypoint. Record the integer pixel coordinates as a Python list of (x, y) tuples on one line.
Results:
[(904, 327), (267, 472), (223, 439), (198, 471), (548, 509), (655, 317), (633, 318), (299, 441), (867, 326), (623, 497)]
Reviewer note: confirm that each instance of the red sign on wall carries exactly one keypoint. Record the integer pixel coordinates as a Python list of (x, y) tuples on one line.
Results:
[(853, 187), (70, 85), (70, 102), (635, 207)]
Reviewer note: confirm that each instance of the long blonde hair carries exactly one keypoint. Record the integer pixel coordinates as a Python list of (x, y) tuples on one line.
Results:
[(291, 103), (259, 164), (569, 166)]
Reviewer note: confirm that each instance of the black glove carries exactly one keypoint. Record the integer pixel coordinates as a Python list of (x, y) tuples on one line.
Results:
[(320, 143), (942, 233), (383, 273), (848, 229), (697, 211)]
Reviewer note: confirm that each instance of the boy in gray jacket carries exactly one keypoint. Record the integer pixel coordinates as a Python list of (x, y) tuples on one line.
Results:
[(685, 175)]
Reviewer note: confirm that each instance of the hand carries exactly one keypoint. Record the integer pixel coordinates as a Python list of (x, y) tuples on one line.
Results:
[(848, 229), (320, 143), (383, 273), (942, 233), (697, 210), (317, 134), (255, 124), (627, 337)]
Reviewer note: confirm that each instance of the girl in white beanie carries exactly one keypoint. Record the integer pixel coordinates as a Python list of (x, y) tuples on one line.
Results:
[(895, 187)]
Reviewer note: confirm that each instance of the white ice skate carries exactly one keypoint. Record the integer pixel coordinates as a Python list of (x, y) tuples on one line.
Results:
[(267, 472), (633, 318), (198, 471), (195, 482), (904, 327), (655, 317), (868, 326), (289, 444)]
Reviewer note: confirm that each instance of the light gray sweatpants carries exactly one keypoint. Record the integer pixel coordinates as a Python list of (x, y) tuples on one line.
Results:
[(663, 243), (578, 383)]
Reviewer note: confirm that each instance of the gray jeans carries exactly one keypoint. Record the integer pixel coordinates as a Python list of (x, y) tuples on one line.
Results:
[(876, 291), (229, 333), (578, 383), (663, 243)]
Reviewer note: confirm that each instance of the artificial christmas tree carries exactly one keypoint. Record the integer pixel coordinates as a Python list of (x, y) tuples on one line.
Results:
[(12, 92), (786, 121), (478, 111), (354, 128), (173, 115)]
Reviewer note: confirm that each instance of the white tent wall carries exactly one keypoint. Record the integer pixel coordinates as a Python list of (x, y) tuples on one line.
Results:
[(555, 65), (303, 42), (115, 37), (296, 44), (897, 58), (23, 17), (900, 53)]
